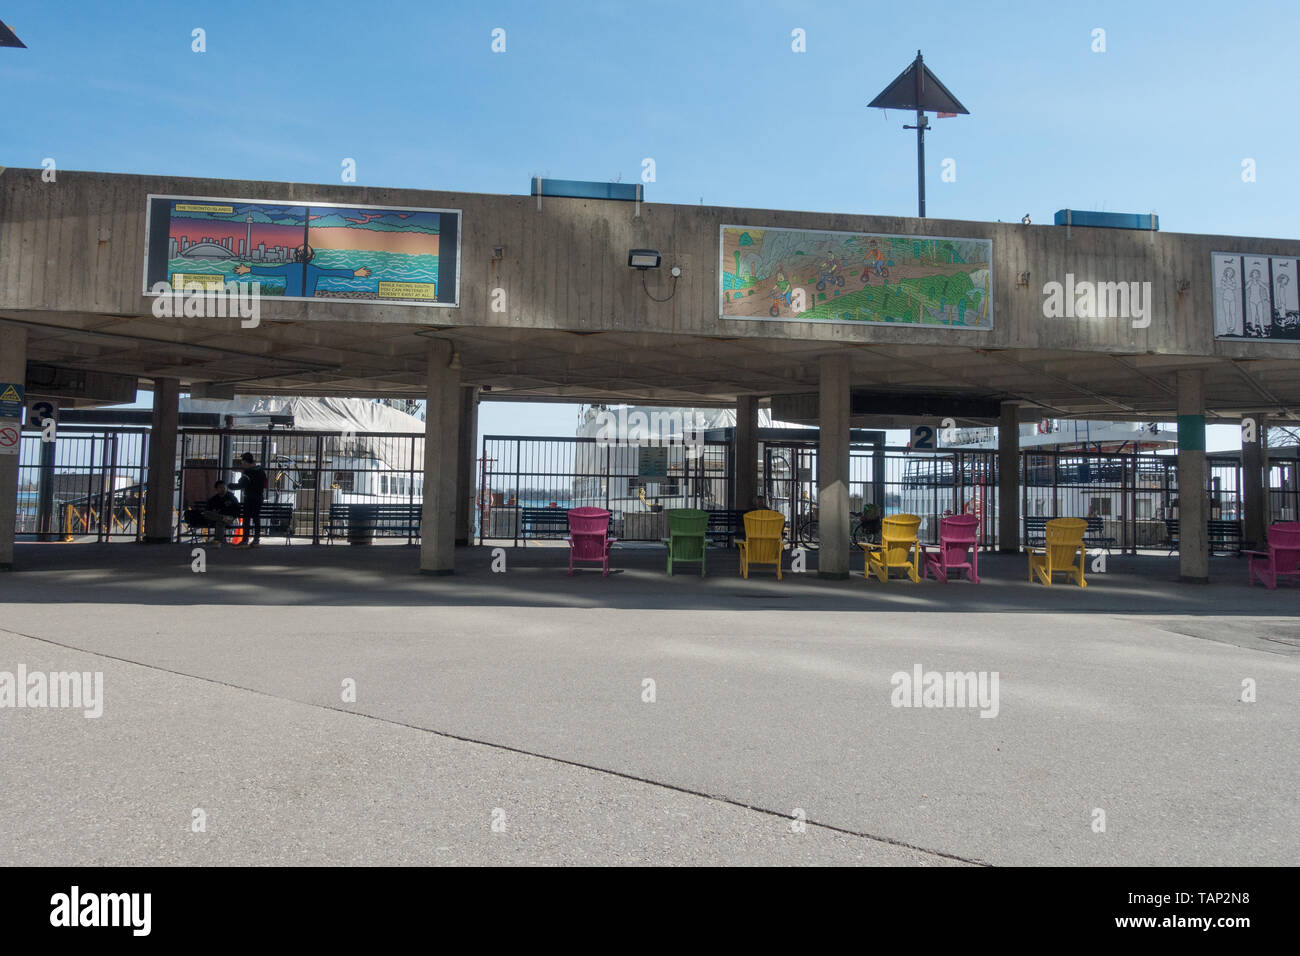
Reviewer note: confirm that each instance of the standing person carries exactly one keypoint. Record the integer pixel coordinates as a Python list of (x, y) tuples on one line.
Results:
[(1229, 312), (1258, 317), (253, 483)]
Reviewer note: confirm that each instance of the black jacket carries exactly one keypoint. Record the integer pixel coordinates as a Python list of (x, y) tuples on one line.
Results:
[(225, 504), (253, 483)]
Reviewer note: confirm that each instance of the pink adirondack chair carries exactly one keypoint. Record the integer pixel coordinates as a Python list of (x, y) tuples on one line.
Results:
[(589, 538), (957, 537), (1281, 560)]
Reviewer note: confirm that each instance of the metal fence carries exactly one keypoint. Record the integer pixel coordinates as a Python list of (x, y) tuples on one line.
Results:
[(89, 483), (935, 485), (310, 471), (636, 483), (1131, 495)]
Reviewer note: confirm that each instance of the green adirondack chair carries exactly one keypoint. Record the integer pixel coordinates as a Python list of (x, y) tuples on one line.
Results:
[(686, 527)]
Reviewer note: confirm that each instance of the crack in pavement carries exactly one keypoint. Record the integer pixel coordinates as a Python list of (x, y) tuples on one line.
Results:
[(506, 748)]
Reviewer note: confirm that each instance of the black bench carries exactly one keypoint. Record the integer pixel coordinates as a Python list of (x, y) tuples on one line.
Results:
[(543, 523), (277, 519), (1224, 536), (725, 525), (1094, 536), (389, 519), (401, 520), (337, 525), (197, 524)]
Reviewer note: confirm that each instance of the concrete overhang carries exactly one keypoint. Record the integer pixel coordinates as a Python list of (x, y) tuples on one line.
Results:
[(578, 326)]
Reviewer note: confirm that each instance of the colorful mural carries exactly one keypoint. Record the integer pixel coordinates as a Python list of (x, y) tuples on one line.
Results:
[(799, 275), (305, 250)]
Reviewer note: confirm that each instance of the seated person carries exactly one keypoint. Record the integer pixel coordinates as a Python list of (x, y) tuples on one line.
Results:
[(220, 511)]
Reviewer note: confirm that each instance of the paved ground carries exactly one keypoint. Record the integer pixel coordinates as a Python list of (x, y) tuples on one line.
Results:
[(523, 692)]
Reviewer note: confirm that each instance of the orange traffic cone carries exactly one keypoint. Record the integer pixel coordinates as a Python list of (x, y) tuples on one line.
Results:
[(238, 537)]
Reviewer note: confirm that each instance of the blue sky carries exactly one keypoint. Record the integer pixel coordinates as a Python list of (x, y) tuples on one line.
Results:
[(712, 92)]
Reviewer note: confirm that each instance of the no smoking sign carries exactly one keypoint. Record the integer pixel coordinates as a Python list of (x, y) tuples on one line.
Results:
[(8, 439)]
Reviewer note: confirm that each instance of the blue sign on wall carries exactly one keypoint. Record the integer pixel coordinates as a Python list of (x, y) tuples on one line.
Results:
[(11, 399)]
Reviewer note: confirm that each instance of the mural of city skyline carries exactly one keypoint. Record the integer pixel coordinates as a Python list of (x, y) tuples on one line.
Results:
[(305, 251)]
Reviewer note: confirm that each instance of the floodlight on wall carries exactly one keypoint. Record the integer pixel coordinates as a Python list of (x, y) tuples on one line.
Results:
[(643, 260)]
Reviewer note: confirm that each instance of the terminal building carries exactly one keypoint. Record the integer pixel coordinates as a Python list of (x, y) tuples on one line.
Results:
[(587, 293)]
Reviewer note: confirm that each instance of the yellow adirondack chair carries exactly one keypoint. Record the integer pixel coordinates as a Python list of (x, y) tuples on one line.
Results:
[(762, 543), (1064, 543), (898, 548)]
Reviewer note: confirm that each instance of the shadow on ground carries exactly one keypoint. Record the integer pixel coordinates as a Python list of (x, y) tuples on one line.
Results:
[(342, 575)]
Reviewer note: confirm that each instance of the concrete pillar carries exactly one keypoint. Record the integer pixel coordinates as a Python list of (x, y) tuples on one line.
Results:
[(161, 486), (745, 451), (13, 369), (1254, 479), (466, 487), (1193, 507), (833, 467), (1009, 479), (442, 416)]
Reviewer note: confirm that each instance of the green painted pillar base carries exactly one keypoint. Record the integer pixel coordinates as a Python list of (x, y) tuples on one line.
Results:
[(1191, 432)]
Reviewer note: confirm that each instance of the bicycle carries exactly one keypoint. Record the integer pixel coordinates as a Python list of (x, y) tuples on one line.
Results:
[(862, 531), (806, 533), (834, 278), (882, 271)]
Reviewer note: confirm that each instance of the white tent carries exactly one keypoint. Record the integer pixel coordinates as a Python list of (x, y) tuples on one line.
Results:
[(357, 416)]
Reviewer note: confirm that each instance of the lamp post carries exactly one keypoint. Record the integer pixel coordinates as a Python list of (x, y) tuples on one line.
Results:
[(916, 88)]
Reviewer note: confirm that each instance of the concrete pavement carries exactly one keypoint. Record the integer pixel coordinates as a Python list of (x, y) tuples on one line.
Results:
[(526, 692)]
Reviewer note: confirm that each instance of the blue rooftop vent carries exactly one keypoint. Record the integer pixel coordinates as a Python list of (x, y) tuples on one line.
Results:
[(1108, 220), (577, 189)]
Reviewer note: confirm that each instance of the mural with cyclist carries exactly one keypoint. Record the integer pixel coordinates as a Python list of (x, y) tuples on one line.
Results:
[(803, 275)]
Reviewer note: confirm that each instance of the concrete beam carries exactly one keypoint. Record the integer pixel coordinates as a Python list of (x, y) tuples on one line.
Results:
[(869, 402), (1009, 479), (13, 368), (1193, 503), (833, 467), (161, 486), (442, 417)]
